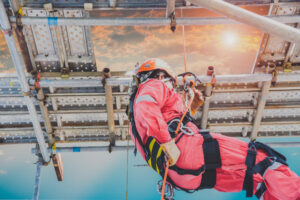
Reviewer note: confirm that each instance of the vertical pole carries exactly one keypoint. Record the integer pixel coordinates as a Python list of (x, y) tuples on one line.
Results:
[(260, 108), (205, 109), (207, 94), (5, 25), (170, 8), (110, 113), (109, 107), (37, 181)]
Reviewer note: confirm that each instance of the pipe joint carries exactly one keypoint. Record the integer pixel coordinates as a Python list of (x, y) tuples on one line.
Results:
[(7, 31)]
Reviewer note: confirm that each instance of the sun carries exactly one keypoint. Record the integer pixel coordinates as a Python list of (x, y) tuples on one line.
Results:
[(229, 38)]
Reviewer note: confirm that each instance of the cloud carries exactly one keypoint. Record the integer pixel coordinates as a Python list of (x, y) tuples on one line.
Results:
[(2, 172), (120, 47)]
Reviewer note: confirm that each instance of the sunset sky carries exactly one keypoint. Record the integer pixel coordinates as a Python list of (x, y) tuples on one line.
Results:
[(230, 48)]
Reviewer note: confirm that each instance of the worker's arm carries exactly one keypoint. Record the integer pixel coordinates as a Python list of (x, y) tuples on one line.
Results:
[(147, 111), (149, 118)]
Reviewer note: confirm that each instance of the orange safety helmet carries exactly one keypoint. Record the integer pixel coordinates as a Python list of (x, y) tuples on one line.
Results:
[(154, 64)]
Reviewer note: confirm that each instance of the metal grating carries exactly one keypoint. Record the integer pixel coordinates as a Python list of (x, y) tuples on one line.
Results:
[(275, 52), (53, 48), (80, 115)]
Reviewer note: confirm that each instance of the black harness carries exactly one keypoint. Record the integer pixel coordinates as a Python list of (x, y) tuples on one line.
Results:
[(155, 157)]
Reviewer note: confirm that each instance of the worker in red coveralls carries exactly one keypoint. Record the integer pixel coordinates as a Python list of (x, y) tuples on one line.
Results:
[(199, 159)]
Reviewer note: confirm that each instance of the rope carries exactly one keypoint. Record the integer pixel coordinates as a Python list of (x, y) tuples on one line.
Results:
[(184, 47), (127, 163), (164, 183)]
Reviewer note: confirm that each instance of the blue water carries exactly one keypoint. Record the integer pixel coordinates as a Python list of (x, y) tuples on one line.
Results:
[(95, 175)]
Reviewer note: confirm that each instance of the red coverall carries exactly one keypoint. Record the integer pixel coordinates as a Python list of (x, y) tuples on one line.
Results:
[(155, 105)]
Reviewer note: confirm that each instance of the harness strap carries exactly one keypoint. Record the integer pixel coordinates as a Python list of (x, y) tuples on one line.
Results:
[(250, 162), (260, 167), (212, 160), (263, 165), (181, 171)]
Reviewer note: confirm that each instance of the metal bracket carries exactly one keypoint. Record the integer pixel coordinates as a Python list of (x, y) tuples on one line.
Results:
[(274, 77), (7, 32), (173, 22), (287, 67), (29, 93), (65, 72), (18, 19)]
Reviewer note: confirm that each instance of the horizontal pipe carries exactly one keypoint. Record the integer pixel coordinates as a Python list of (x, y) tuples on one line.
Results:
[(96, 81), (76, 21)]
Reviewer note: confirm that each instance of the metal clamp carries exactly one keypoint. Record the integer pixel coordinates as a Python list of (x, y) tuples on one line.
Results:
[(173, 22), (7, 32), (274, 77), (29, 93)]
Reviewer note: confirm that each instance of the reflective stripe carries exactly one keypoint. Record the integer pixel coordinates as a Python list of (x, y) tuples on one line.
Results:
[(151, 145), (158, 154), (149, 162), (275, 165), (145, 98), (150, 148)]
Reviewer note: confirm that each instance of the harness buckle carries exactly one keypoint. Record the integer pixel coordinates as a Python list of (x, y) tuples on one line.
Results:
[(186, 130), (172, 126)]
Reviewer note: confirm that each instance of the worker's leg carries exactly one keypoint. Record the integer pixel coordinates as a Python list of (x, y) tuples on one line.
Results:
[(281, 183)]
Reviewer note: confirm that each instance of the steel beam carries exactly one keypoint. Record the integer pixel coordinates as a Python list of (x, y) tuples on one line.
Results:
[(96, 81), (170, 8), (110, 113), (76, 21), (265, 24), (207, 94), (260, 108), (37, 181), (22, 78)]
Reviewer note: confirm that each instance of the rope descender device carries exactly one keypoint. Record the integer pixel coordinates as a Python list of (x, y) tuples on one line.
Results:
[(190, 90), (169, 192)]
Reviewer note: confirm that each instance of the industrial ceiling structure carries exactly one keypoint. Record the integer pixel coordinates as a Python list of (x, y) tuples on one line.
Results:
[(58, 96)]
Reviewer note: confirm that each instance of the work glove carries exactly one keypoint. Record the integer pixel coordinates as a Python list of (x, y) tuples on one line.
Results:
[(172, 152), (197, 102)]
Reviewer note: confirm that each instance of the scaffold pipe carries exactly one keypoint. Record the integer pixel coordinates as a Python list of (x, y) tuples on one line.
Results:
[(265, 24), (191, 21), (19, 65), (37, 181), (114, 81)]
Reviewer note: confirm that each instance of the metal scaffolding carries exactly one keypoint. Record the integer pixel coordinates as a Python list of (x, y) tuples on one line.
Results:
[(5, 25), (66, 97)]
